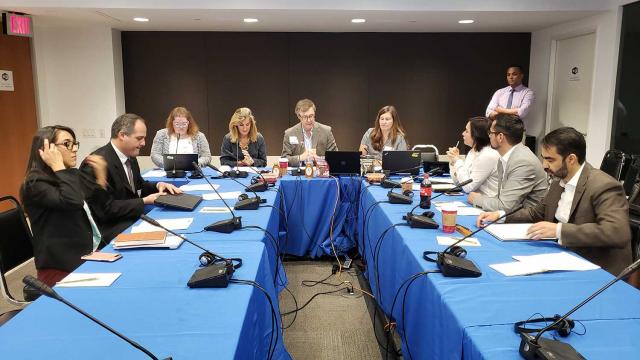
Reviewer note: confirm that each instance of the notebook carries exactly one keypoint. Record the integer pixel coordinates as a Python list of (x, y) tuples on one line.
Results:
[(140, 239), (179, 201)]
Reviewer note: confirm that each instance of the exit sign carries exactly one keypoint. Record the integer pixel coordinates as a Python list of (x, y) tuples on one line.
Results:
[(15, 24)]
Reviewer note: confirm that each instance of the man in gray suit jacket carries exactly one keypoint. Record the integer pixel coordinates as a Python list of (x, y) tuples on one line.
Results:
[(521, 179), (585, 209), (307, 140)]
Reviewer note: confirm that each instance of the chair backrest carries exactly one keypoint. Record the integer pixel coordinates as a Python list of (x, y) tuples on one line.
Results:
[(15, 241), (613, 163), (428, 153), (632, 177)]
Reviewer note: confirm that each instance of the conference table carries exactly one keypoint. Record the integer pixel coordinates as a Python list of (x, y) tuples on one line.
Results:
[(151, 303), (472, 318)]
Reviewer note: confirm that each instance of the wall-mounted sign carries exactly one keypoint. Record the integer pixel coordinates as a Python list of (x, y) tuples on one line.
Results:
[(6, 80), (574, 74), (16, 24)]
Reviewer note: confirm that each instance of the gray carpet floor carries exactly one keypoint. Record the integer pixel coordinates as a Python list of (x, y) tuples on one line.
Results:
[(335, 326)]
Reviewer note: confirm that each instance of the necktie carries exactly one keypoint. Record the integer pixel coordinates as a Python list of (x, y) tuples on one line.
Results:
[(130, 175), (511, 91)]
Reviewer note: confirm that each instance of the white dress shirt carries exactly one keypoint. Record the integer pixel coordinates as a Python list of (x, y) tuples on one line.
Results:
[(480, 166), (566, 199), (308, 140)]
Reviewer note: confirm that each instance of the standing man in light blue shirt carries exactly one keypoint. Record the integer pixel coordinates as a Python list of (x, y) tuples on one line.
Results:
[(515, 99)]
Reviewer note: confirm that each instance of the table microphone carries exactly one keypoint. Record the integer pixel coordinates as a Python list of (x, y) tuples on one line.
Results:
[(425, 222), (541, 348), (176, 173), (218, 270), (245, 203), (233, 173), (222, 226), (45, 290), (449, 261), (405, 198), (259, 186)]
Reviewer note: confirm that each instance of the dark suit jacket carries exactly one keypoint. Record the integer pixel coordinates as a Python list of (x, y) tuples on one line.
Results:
[(598, 227), (257, 150), (123, 206), (61, 230)]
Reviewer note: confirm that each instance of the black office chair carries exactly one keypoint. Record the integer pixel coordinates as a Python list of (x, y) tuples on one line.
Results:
[(614, 163), (632, 177), (15, 248)]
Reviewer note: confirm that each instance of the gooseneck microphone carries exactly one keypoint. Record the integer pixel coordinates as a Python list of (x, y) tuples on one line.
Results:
[(451, 262), (542, 348), (247, 203), (454, 189), (218, 270), (45, 290), (425, 222), (222, 226), (176, 173)]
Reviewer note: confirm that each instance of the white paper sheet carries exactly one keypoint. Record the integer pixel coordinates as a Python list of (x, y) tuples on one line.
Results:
[(214, 209), (442, 187), (436, 180), (88, 279), (517, 268), (173, 224), (154, 173), (225, 195), (469, 211), (509, 232), (561, 261), (457, 204), (170, 242), (247, 169), (449, 240), (198, 187)]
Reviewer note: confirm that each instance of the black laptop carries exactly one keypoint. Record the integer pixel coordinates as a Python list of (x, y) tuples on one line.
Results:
[(402, 162), (343, 162), (179, 201), (179, 161)]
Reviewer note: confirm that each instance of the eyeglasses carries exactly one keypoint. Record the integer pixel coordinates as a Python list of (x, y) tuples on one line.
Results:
[(181, 124), (489, 133), (70, 144), (307, 117)]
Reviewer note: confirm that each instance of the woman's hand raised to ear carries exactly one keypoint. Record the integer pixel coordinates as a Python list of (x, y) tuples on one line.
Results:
[(52, 156)]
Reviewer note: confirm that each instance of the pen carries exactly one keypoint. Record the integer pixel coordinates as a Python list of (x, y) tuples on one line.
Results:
[(76, 281), (457, 143)]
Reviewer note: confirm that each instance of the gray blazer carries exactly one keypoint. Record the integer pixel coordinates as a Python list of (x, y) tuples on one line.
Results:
[(161, 146), (524, 181), (322, 141), (400, 144), (598, 227)]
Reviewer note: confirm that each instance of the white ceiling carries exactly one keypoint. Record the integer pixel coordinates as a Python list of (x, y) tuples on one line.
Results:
[(315, 16)]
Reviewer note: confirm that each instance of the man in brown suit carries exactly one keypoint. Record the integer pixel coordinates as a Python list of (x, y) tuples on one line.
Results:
[(585, 209)]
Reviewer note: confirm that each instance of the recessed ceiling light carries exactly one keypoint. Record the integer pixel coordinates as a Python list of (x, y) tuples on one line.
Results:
[(466, 21), (140, 19), (250, 20), (358, 21)]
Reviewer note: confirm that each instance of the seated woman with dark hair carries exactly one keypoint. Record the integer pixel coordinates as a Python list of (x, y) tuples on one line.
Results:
[(481, 162), (386, 134), (54, 195), (243, 145)]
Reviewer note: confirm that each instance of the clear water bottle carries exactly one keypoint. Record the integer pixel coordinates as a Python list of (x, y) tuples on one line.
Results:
[(425, 192)]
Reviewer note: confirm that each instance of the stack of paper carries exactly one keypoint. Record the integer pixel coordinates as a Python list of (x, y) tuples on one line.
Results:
[(535, 264), (510, 232), (139, 239)]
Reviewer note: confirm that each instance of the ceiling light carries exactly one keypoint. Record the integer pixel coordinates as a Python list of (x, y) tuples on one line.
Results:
[(358, 21), (466, 21), (140, 19), (250, 20)]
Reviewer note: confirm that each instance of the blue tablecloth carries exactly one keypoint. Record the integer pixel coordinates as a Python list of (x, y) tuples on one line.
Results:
[(439, 311), (151, 304)]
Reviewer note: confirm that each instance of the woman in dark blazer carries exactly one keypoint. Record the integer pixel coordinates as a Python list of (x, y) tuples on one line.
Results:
[(53, 195), (243, 145)]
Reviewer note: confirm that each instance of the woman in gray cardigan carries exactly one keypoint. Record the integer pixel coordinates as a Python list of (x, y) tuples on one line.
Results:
[(243, 145), (192, 141), (387, 134)]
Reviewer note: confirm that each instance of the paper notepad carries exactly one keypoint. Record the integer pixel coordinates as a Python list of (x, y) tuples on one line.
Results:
[(448, 240), (510, 232), (172, 224), (535, 264), (88, 279), (140, 238)]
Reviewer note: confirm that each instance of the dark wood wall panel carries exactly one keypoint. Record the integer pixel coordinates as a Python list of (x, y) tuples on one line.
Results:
[(436, 80)]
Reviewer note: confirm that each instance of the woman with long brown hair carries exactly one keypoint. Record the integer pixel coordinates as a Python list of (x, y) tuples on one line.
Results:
[(387, 134)]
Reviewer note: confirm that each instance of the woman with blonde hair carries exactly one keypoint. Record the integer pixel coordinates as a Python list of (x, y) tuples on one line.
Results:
[(387, 134), (181, 135), (243, 145)]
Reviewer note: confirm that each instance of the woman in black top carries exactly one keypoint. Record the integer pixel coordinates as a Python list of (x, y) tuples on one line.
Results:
[(243, 145), (53, 195)]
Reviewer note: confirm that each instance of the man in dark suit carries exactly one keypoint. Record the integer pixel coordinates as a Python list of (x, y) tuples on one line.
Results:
[(585, 209), (128, 191)]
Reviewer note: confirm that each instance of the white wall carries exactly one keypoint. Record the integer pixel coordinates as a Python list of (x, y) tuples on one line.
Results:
[(607, 29), (78, 72)]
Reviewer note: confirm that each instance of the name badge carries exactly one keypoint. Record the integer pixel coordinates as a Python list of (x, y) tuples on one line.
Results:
[(293, 140)]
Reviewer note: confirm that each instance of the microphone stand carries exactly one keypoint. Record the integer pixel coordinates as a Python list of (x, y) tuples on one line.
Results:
[(454, 266), (176, 173), (425, 222), (248, 203), (45, 290), (219, 274), (222, 226), (541, 348)]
